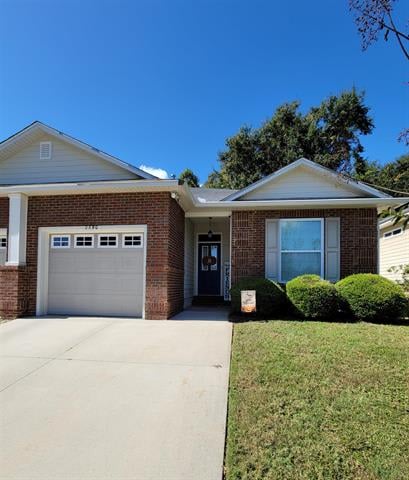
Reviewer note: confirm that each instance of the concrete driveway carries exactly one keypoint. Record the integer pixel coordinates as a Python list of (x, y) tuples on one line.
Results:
[(93, 398)]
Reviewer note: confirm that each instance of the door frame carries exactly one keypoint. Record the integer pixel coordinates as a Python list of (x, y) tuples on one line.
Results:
[(43, 256), (196, 259)]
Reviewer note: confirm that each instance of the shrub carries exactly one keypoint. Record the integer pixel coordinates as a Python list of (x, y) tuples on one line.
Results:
[(370, 297), (313, 297), (270, 297)]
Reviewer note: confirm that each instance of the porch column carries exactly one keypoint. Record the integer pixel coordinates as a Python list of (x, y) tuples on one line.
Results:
[(17, 233)]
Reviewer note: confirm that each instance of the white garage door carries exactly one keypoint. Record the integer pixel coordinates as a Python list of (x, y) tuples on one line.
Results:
[(96, 274)]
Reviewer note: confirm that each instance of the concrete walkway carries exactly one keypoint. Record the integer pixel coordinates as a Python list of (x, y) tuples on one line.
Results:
[(97, 398)]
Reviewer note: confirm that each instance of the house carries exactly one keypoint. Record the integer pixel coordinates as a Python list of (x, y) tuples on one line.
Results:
[(84, 233), (393, 247)]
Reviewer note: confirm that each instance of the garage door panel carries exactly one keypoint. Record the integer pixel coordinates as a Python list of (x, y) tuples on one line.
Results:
[(107, 284), (96, 281), (120, 305), (95, 262)]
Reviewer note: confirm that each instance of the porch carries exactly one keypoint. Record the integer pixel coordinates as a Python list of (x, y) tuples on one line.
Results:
[(207, 260)]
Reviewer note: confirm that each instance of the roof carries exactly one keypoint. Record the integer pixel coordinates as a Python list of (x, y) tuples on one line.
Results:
[(29, 134), (203, 195), (304, 162)]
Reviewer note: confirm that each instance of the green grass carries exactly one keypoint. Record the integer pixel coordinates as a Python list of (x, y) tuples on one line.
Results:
[(318, 400)]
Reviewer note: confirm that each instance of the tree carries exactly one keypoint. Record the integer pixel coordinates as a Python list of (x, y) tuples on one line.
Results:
[(375, 16), (327, 134), (393, 176), (189, 177)]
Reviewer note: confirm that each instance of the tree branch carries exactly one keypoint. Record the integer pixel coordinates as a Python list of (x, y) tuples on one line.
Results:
[(398, 35)]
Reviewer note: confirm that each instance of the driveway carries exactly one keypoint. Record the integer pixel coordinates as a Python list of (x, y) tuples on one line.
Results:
[(94, 398)]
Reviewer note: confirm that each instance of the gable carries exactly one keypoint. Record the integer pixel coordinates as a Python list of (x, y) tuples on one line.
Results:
[(302, 183), (68, 163)]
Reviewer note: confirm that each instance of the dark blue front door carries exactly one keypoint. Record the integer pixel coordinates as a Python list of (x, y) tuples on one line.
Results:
[(209, 269)]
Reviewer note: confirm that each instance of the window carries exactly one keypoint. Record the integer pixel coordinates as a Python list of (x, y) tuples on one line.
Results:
[(132, 241), (3, 241), (213, 253), (60, 241), (205, 254), (301, 247), (392, 233), (108, 241), (204, 237), (84, 241)]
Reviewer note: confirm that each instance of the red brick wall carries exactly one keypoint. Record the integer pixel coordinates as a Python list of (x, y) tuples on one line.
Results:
[(165, 248), (359, 239), (13, 288)]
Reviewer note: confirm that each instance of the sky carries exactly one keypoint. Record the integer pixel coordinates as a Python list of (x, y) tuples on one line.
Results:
[(163, 83)]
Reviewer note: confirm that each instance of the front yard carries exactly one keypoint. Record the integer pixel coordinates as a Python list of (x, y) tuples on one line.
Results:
[(318, 400)]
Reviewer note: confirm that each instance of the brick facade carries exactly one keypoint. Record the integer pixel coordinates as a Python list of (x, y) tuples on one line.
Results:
[(359, 239), (165, 243), (13, 288)]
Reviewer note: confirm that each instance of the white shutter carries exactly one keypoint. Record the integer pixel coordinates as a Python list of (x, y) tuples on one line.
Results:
[(272, 249), (332, 249)]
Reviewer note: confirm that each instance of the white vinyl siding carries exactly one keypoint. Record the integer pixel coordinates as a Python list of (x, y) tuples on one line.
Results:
[(393, 251), (302, 183), (67, 163)]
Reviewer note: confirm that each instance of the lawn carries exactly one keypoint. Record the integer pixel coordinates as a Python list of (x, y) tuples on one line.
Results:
[(318, 400)]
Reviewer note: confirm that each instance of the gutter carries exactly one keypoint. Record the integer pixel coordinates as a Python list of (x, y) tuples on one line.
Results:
[(98, 186)]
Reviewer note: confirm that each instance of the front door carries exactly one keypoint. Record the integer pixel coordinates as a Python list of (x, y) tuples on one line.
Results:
[(209, 269)]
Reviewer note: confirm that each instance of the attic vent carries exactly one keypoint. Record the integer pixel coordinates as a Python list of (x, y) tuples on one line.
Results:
[(45, 150)]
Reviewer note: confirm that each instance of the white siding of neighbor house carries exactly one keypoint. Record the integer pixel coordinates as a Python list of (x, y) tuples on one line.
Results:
[(67, 163), (393, 251), (302, 183), (189, 262)]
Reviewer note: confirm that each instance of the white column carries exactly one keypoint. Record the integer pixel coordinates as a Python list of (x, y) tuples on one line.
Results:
[(17, 234)]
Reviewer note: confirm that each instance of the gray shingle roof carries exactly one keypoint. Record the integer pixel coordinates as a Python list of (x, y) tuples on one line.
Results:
[(204, 195)]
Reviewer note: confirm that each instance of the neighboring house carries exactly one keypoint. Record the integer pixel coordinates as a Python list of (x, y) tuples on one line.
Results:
[(393, 247), (83, 233)]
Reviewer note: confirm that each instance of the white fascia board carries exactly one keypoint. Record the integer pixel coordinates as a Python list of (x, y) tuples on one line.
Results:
[(304, 203), (314, 166), (77, 143), (104, 187)]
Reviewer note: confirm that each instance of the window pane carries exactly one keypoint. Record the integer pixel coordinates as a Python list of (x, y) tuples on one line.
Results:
[(300, 235), (205, 253), (213, 253), (294, 264)]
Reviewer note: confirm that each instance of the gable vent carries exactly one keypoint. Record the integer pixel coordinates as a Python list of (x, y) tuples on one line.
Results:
[(45, 150)]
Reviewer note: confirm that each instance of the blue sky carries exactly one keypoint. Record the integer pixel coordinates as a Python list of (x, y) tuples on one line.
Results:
[(164, 82)]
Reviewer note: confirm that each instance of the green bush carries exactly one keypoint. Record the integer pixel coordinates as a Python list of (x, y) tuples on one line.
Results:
[(313, 297), (270, 297), (370, 297)]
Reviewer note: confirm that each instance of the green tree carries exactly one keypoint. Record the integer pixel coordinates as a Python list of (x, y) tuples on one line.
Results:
[(393, 176), (327, 134), (189, 177)]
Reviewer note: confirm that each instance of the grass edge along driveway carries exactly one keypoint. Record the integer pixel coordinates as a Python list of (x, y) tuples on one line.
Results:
[(318, 400)]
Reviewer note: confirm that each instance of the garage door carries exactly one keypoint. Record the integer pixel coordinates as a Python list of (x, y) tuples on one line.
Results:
[(96, 274)]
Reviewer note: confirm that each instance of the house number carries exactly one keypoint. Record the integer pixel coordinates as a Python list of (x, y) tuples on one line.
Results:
[(91, 227)]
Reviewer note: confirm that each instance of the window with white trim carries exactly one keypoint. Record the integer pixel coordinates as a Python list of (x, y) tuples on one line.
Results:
[(131, 241), (392, 233), (301, 248), (84, 241), (108, 241), (3, 241), (60, 241)]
